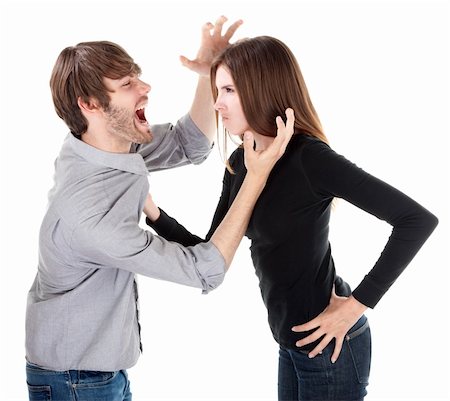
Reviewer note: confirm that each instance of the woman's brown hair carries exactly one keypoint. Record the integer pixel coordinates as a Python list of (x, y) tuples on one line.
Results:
[(79, 72), (268, 80)]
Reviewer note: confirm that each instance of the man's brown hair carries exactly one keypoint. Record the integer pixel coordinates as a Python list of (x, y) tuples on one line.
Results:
[(79, 72)]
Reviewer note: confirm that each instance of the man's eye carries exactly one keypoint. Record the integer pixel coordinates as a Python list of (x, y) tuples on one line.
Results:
[(126, 83)]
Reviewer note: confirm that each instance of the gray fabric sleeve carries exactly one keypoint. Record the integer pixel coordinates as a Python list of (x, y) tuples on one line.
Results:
[(131, 248), (174, 145)]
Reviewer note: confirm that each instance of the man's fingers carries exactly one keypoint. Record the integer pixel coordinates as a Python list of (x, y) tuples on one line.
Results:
[(232, 29), (219, 24), (206, 30), (290, 118), (207, 27), (285, 131), (279, 144), (184, 60), (280, 123), (187, 62)]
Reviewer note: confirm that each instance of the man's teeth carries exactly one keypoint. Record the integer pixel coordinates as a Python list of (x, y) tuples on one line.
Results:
[(140, 113)]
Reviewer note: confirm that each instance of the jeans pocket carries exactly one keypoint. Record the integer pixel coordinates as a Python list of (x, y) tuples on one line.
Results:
[(88, 378), (39, 393), (111, 386), (360, 346)]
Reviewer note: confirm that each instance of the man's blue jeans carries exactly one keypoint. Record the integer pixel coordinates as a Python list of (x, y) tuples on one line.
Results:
[(304, 379), (77, 385)]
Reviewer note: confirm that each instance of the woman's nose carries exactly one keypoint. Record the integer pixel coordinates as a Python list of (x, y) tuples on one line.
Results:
[(218, 105)]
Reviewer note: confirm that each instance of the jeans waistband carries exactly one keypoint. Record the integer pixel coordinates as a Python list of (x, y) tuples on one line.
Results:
[(358, 328)]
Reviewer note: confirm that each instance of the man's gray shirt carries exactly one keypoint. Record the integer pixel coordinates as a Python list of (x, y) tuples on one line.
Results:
[(81, 310)]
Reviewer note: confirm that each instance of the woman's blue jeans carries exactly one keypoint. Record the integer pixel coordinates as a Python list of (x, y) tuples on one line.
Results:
[(77, 385), (303, 379)]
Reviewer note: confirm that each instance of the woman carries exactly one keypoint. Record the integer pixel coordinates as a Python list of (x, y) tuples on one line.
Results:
[(318, 322)]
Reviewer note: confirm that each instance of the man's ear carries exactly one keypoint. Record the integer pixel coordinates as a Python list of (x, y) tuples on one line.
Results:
[(88, 107)]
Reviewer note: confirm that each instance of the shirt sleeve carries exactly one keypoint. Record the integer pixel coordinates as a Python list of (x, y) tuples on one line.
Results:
[(174, 145), (332, 175), (124, 245), (169, 228)]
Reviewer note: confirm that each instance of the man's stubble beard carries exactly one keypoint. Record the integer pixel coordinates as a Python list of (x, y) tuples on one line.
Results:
[(121, 124)]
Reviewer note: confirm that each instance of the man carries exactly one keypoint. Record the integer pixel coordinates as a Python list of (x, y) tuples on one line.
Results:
[(82, 328)]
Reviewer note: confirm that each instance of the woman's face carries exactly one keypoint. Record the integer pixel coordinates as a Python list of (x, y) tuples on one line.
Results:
[(228, 103)]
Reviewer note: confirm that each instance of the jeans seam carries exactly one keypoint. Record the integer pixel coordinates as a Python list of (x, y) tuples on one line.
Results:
[(352, 355), (96, 384)]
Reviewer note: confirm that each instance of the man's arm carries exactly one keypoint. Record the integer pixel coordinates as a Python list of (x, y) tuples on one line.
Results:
[(202, 110), (174, 145), (232, 228), (233, 225), (183, 143), (109, 241), (259, 164)]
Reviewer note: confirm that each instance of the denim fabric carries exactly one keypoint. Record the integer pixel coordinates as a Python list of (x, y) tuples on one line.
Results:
[(77, 385), (303, 379)]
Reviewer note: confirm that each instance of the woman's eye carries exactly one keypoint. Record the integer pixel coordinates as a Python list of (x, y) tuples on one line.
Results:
[(229, 90)]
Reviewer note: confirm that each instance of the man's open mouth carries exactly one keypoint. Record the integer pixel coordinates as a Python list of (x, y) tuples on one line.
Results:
[(140, 114)]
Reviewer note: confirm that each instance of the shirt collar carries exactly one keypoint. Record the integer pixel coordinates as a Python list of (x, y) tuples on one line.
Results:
[(129, 162)]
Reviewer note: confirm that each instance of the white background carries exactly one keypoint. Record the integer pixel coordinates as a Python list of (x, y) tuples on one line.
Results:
[(378, 74)]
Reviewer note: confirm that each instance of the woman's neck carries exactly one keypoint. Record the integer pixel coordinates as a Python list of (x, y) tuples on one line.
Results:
[(262, 141)]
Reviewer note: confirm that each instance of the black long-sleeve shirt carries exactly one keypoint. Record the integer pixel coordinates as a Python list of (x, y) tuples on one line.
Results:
[(290, 224)]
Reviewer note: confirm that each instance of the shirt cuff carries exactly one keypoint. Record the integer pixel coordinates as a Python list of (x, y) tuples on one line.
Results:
[(210, 265), (368, 293), (209, 262)]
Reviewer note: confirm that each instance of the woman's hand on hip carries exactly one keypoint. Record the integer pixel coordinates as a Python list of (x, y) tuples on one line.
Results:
[(334, 322)]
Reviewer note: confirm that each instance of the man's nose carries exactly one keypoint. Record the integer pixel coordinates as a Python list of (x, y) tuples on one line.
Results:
[(144, 87)]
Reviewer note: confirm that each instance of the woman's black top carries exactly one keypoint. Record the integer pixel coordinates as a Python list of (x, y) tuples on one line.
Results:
[(289, 231)]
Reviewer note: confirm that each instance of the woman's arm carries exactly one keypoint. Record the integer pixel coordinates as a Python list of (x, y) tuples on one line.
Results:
[(232, 227), (166, 226), (331, 175)]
